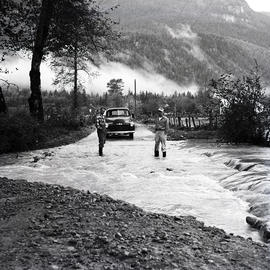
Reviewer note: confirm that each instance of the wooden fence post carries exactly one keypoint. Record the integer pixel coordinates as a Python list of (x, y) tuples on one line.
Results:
[(193, 120)]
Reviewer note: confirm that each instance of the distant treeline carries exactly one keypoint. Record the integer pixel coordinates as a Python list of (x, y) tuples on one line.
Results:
[(147, 103), (237, 107)]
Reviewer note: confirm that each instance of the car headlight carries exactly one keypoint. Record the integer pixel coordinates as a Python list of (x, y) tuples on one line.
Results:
[(131, 124)]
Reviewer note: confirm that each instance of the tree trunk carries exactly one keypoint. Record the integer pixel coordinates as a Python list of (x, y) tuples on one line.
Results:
[(210, 119), (186, 123), (35, 99), (3, 106), (75, 91), (179, 121)]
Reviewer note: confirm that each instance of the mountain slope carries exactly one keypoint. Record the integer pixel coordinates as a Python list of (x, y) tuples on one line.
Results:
[(193, 40)]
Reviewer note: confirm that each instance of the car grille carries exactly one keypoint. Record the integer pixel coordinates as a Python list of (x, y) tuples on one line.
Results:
[(120, 128)]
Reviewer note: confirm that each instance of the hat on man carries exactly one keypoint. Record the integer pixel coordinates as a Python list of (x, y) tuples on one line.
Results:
[(161, 109)]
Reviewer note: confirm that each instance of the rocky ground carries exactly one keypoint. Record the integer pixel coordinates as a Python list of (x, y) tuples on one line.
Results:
[(53, 227)]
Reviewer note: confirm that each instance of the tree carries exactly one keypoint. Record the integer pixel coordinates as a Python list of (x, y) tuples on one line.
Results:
[(35, 99), (83, 31), (16, 26), (115, 90), (243, 110), (20, 19), (115, 86), (3, 106), (207, 104)]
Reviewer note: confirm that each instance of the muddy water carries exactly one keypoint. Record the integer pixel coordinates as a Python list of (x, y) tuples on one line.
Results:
[(216, 184)]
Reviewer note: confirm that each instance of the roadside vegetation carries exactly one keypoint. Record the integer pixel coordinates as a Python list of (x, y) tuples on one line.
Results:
[(244, 109), (74, 33), (21, 132), (229, 109), (68, 34)]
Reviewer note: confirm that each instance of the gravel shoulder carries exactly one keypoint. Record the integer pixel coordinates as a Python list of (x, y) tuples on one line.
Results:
[(53, 227)]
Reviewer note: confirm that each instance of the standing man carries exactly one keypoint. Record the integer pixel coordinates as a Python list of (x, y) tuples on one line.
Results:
[(161, 129), (101, 129)]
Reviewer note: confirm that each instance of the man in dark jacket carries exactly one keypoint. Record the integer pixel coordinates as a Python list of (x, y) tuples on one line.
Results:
[(161, 129), (101, 129)]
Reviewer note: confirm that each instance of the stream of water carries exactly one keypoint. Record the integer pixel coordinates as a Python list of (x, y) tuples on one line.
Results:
[(218, 184)]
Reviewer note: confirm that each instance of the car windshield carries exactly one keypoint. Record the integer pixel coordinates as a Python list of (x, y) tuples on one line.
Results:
[(117, 113)]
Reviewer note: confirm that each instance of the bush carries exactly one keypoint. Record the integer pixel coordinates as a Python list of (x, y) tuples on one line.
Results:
[(244, 112), (66, 119), (18, 132)]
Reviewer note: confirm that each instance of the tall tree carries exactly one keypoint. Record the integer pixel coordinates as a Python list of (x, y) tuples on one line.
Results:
[(115, 90), (35, 100), (52, 33), (82, 38)]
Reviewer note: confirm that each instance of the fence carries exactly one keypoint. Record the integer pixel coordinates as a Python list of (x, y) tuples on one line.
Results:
[(188, 122)]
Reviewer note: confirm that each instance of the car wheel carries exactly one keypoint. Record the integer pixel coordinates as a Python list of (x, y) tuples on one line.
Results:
[(131, 136)]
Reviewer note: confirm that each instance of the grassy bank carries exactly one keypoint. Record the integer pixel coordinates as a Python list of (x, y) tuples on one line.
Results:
[(177, 134), (63, 136), (20, 132), (54, 227)]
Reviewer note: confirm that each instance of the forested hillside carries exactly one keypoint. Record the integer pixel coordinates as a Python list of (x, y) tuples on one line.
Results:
[(194, 40)]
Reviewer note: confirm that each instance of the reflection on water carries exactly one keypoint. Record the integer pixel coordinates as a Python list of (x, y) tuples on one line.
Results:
[(219, 185)]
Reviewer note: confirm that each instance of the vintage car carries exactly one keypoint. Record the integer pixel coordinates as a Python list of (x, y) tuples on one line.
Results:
[(119, 122)]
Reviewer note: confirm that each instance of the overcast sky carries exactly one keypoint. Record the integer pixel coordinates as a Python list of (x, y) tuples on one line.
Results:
[(259, 5)]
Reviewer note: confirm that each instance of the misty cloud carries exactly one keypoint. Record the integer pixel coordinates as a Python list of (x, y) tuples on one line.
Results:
[(184, 32), (19, 68), (146, 81), (188, 36)]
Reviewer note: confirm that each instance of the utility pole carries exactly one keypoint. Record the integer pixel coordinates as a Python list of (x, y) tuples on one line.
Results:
[(135, 97)]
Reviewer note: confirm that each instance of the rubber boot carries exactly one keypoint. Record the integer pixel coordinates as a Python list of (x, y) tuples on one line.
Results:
[(100, 151), (156, 154), (164, 154)]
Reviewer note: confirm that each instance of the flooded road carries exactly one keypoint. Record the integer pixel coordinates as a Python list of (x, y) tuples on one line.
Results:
[(210, 182)]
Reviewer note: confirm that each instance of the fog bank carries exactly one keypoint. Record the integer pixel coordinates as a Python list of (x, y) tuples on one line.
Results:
[(146, 81), (19, 68)]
